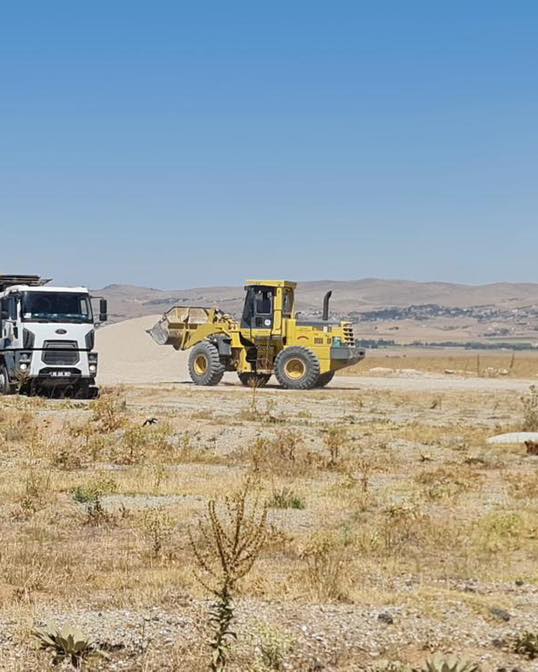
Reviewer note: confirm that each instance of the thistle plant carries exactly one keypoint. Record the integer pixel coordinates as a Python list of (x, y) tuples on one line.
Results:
[(441, 663), (66, 643), (230, 540)]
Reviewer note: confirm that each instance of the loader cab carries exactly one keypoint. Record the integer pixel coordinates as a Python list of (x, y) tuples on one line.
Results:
[(267, 304)]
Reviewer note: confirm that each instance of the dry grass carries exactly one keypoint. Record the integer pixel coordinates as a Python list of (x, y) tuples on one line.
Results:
[(364, 490), (464, 362)]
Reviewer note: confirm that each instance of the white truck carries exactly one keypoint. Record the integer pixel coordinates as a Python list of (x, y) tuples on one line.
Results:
[(47, 338)]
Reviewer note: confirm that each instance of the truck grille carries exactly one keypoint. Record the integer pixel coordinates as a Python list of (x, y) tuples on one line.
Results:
[(349, 338), (60, 353)]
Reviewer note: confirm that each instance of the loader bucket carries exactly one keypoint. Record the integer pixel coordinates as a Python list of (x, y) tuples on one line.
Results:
[(180, 322), (160, 333)]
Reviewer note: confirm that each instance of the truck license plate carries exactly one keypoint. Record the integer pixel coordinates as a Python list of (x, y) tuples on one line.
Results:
[(60, 374)]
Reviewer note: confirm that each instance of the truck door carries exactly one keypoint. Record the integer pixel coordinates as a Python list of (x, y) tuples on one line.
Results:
[(8, 320)]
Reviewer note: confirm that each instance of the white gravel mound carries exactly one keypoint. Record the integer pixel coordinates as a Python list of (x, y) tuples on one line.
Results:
[(127, 354)]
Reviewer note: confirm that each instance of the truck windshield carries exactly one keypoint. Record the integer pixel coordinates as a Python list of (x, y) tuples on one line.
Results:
[(56, 307)]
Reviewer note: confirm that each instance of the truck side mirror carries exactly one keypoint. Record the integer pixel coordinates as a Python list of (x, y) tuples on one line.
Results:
[(103, 310)]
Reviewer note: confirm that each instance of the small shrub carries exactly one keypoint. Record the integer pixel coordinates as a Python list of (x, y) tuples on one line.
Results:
[(446, 482), (335, 439), (36, 491), (109, 411), (66, 458), (502, 531), (402, 527), (133, 444), (274, 646), (391, 666), (97, 487), (158, 526), (285, 499), (527, 645), (286, 444), (523, 486), (284, 454), (325, 560), (530, 410), (91, 495)]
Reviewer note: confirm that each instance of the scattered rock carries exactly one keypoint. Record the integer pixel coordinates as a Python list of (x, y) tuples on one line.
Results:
[(500, 614), (513, 438), (532, 447), (385, 617)]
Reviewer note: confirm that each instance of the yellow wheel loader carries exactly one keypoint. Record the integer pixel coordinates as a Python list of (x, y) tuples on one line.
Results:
[(269, 339)]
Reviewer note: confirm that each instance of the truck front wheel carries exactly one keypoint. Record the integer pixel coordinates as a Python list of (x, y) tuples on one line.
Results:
[(5, 386), (205, 367)]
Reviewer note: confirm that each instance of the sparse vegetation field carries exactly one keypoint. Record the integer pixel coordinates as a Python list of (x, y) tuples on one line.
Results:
[(469, 363), (379, 528)]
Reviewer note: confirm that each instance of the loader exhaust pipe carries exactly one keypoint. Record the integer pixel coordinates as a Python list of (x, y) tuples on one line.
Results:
[(326, 299)]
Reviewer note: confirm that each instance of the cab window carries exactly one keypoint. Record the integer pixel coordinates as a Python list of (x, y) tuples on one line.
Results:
[(258, 312)]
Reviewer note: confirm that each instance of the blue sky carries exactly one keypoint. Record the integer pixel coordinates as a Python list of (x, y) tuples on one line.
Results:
[(176, 144)]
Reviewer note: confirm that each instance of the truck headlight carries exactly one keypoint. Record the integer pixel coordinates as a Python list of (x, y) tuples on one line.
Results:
[(92, 362), (24, 361)]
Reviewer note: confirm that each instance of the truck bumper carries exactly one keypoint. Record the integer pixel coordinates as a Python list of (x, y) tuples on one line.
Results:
[(59, 377)]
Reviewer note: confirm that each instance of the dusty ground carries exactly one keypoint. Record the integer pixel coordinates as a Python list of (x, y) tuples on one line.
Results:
[(128, 355), (394, 530)]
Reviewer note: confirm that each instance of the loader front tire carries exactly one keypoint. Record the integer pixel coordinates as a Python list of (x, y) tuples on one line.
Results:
[(297, 368), (205, 367), (253, 379), (325, 378)]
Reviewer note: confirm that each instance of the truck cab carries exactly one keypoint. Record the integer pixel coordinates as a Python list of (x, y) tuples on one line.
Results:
[(47, 338)]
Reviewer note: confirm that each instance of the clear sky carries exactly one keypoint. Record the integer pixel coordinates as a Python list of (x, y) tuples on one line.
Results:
[(179, 144)]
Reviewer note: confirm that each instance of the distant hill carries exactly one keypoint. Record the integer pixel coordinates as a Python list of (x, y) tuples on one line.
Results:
[(417, 310)]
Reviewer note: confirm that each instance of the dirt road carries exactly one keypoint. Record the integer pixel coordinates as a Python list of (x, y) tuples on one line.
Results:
[(129, 356)]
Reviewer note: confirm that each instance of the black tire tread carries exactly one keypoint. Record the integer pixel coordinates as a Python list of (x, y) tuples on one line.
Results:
[(325, 378), (9, 388), (312, 362), (216, 368)]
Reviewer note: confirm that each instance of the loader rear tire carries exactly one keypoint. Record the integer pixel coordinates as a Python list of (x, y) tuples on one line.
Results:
[(325, 378), (205, 366), (252, 379), (297, 368)]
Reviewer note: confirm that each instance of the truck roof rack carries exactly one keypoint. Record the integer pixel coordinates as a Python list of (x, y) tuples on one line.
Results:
[(31, 280)]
